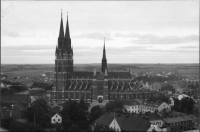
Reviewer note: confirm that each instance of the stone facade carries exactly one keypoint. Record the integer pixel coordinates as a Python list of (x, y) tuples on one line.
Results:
[(92, 86)]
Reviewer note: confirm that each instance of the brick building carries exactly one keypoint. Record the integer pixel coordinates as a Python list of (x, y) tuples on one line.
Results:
[(92, 86)]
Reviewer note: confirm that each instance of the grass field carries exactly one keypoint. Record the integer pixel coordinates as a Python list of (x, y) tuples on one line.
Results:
[(32, 71), (28, 73)]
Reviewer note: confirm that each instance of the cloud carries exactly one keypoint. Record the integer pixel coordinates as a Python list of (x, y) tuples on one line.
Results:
[(153, 39), (28, 47), (95, 35), (10, 34), (188, 47)]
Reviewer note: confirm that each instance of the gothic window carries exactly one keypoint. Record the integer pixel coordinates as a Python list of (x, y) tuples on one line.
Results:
[(100, 87)]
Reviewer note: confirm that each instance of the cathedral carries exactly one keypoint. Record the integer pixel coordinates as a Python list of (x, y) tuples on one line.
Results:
[(95, 86)]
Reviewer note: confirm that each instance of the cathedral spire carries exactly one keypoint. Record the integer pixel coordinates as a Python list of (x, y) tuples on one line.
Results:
[(104, 51), (61, 34), (67, 34), (104, 60)]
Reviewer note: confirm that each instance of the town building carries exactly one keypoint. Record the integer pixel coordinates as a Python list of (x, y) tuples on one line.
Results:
[(56, 119), (92, 86), (123, 122), (136, 106), (15, 110), (179, 123), (156, 86), (154, 118)]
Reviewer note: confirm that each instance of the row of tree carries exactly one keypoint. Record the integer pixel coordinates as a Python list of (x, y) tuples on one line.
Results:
[(13, 125), (76, 116), (153, 79), (42, 85), (158, 97), (14, 89), (184, 105)]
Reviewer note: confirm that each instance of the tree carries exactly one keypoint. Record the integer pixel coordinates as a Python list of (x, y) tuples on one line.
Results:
[(74, 114), (83, 105), (114, 106), (16, 126), (39, 113), (184, 105), (95, 113), (5, 122), (158, 97)]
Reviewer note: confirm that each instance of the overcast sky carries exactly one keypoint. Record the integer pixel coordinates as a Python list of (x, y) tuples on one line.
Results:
[(134, 31)]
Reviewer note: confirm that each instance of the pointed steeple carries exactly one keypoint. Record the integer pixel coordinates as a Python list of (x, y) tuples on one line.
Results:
[(67, 34), (104, 51), (61, 34), (104, 60)]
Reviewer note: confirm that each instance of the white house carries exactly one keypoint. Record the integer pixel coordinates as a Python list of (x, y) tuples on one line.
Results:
[(164, 106), (154, 119), (134, 106), (114, 125), (182, 96), (56, 119)]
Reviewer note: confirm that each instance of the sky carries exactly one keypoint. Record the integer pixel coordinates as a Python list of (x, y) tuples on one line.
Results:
[(134, 31)]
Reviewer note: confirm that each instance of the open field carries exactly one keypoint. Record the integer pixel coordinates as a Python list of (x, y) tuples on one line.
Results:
[(36, 70)]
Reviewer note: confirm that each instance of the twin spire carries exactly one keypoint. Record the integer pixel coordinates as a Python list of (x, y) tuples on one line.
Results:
[(61, 34), (64, 40)]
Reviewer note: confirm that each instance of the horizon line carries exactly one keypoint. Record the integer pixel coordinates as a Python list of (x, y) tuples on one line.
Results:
[(91, 63)]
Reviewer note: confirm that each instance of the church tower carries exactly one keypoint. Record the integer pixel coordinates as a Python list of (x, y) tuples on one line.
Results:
[(100, 82), (63, 63), (104, 60), (69, 50)]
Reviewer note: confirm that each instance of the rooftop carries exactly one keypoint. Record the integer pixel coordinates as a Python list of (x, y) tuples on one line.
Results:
[(132, 102), (152, 116), (127, 122), (176, 119)]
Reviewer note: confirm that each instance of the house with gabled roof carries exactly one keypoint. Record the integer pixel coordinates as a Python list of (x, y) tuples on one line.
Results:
[(123, 122), (154, 118), (57, 118)]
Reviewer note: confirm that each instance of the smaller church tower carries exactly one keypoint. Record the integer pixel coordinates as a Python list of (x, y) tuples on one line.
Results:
[(104, 60)]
